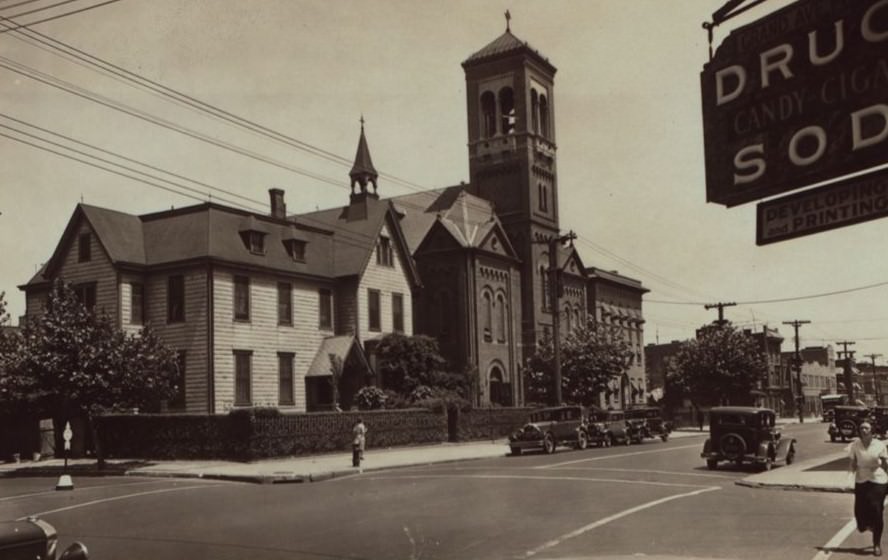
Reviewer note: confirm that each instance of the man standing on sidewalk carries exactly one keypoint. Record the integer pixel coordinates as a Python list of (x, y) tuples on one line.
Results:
[(360, 433)]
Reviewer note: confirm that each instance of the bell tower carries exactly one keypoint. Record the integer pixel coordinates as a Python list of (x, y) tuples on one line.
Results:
[(511, 126)]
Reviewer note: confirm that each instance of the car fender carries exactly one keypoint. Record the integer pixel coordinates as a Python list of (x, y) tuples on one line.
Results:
[(707, 447), (764, 449), (783, 446)]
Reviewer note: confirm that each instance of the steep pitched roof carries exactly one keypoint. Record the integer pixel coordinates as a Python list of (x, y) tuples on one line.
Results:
[(505, 45), (339, 346)]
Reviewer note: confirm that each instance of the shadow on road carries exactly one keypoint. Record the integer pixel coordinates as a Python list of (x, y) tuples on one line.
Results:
[(861, 551)]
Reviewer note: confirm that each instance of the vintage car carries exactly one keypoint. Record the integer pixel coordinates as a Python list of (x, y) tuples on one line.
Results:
[(847, 419), (35, 538), (547, 428), (607, 427), (646, 422), (879, 415), (743, 434)]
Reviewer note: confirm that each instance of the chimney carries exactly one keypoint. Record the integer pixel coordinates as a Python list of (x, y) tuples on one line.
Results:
[(278, 208)]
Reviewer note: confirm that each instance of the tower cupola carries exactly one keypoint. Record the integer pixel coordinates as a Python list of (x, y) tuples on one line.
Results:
[(362, 172)]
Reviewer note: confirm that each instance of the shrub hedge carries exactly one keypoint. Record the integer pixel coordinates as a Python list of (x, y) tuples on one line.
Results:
[(490, 423)]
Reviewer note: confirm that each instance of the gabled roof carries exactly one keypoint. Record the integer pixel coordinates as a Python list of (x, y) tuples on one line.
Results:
[(506, 45), (340, 347), (420, 210), (355, 239)]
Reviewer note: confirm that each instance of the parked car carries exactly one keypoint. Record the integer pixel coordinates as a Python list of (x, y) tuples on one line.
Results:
[(744, 434), (34, 538), (608, 427), (547, 428), (847, 419), (646, 422)]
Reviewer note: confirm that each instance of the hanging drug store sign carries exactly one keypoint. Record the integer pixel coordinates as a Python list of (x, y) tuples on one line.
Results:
[(850, 201), (796, 98)]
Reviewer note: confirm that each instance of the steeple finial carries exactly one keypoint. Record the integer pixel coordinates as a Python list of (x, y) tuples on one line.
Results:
[(508, 18)]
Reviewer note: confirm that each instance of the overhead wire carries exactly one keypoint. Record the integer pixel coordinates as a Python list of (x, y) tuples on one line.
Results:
[(59, 16)]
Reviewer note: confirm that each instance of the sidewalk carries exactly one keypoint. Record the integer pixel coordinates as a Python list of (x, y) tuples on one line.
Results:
[(826, 474)]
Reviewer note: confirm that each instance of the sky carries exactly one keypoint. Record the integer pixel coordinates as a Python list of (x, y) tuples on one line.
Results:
[(627, 117)]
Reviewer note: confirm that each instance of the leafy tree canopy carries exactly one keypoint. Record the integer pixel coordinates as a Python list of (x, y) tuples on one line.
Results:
[(591, 357), (407, 362), (720, 367), (69, 360)]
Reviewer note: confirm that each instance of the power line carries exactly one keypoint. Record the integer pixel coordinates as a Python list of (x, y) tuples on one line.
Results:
[(59, 16), (190, 101)]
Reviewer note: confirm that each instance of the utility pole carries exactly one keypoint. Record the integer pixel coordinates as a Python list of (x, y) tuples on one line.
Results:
[(554, 296), (797, 365), (721, 310), (849, 354), (876, 387)]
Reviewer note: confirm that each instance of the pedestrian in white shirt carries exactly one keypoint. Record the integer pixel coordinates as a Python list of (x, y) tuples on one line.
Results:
[(869, 465)]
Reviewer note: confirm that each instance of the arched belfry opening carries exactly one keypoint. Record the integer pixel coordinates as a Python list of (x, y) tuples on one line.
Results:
[(363, 173)]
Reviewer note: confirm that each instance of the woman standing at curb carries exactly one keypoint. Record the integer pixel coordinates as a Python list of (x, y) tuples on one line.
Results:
[(869, 465)]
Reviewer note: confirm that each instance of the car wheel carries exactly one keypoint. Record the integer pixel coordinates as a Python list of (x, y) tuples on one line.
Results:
[(608, 440), (626, 440), (711, 464), (733, 446), (516, 451), (665, 437), (582, 440), (549, 444)]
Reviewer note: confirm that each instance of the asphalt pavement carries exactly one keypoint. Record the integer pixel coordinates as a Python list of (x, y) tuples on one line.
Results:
[(825, 474)]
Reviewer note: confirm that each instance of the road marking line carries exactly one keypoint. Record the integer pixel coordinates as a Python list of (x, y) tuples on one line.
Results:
[(671, 473), (529, 477), (116, 498), (601, 458), (838, 538), (614, 517), (80, 488)]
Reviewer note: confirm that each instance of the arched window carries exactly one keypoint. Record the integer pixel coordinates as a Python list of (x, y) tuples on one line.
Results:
[(507, 110), (544, 116), (487, 311), (488, 114), (568, 319), (500, 318), (544, 282), (534, 111)]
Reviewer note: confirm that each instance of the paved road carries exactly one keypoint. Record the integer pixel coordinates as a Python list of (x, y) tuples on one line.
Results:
[(657, 499)]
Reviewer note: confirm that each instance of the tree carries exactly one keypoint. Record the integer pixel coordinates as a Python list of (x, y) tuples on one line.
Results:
[(70, 361), (407, 362), (591, 357), (720, 367)]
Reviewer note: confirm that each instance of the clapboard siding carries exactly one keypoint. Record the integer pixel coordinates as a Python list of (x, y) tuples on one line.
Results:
[(346, 305), (189, 336), (98, 269), (262, 336), (388, 280)]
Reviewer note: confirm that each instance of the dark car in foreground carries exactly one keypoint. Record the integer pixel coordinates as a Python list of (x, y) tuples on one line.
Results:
[(746, 435), (32, 539), (846, 420), (547, 428)]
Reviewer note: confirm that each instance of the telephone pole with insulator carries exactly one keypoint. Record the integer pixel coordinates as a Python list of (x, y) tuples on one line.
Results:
[(797, 366)]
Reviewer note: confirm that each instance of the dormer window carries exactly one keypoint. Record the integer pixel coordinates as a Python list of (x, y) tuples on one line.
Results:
[(253, 236), (296, 249), (295, 242)]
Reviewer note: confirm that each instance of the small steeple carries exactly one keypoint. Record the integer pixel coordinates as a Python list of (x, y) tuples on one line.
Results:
[(362, 171)]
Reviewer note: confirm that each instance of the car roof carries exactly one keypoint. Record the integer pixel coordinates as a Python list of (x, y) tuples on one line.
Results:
[(740, 410), (562, 407)]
